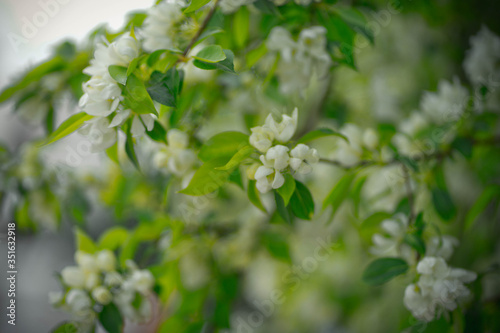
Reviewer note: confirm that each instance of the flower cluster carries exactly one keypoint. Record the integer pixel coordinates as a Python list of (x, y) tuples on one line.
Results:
[(103, 96), (301, 58), (166, 27), (96, 281), (439, 288), (277, 158), (360, 144), (391, 242), (176, 157), (439, 108)]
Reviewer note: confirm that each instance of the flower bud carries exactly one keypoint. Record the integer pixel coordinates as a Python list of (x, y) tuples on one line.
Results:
[(106, 261), (73, 276), (102, 295)]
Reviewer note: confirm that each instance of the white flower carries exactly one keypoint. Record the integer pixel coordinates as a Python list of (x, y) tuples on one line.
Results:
[(284, 130), (261, 138), (86, 261), (351, 152), (99, 134), (370, 139), (441, 246), (101, 97), (448, 104), (113, 279), (276, 157), (92, 280), (176, 157), (302, 157), (55, 297), (164, 26), (481, 63), (73, 276), (79, 302), (143, 281), (439, 288), (106, 260), (391, 244), (412, 125), (120, 117), (102, 295)]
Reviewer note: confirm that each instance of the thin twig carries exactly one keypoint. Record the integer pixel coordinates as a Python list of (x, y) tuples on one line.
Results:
[(201, 29)]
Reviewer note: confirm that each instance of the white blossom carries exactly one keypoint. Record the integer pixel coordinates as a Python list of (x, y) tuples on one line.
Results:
[(261, 138), (164, 26), (284, 130), (99, 134), (230, 6), (73, 276), (481, 63), (106, 260), (177, 158), (302, 158), (143, 281), (102, 295), (78, 302), (140, 123), (448, 104), (439, 288), (390, 243), (441, 246)]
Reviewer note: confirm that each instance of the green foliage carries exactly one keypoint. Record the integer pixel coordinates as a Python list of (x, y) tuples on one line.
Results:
[(70, 125), (207, 178), (223, 146), (383, 270), (111, 318)]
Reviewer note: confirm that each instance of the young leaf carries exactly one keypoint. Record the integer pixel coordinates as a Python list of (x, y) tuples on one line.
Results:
[(338, 193), (67, 127), (84, 242), (211, 54), (111, 318), (286, 191), (223, 145), (415, 242), (137, 97), (237, 158), (129, 149), (301, 202), (383, 270), (277, 245), (481, 203), (195, 5), (443, 203), (283, 212), (241, 24), (319, 133), (254, 196), (118, 73), (113, 238), (207, 178), (225, 65), (158, 133), (165, 87)]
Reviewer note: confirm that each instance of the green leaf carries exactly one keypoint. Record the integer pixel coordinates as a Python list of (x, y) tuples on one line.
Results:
[(133, 65), (111, 318), (53, 65), (283, 212), (241, 26), (338, 193), (118, 73), (158, 133), (195, 5), (319, 133), (464, 146), (277, 245), (237, 158), (207, 178), (223, 145), (301, 202), (253, 56), (166, 87), (137, 97), (113, 238), (443, 203), (211, 54), (225, 65), (254, 196), (129, 149), (84, 242), (112, 153), (286, 191), (66, 327), (375, 219), (70, 125), (351, 15), (480, 205), (207, 33), (415, 242), (383, 270)]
